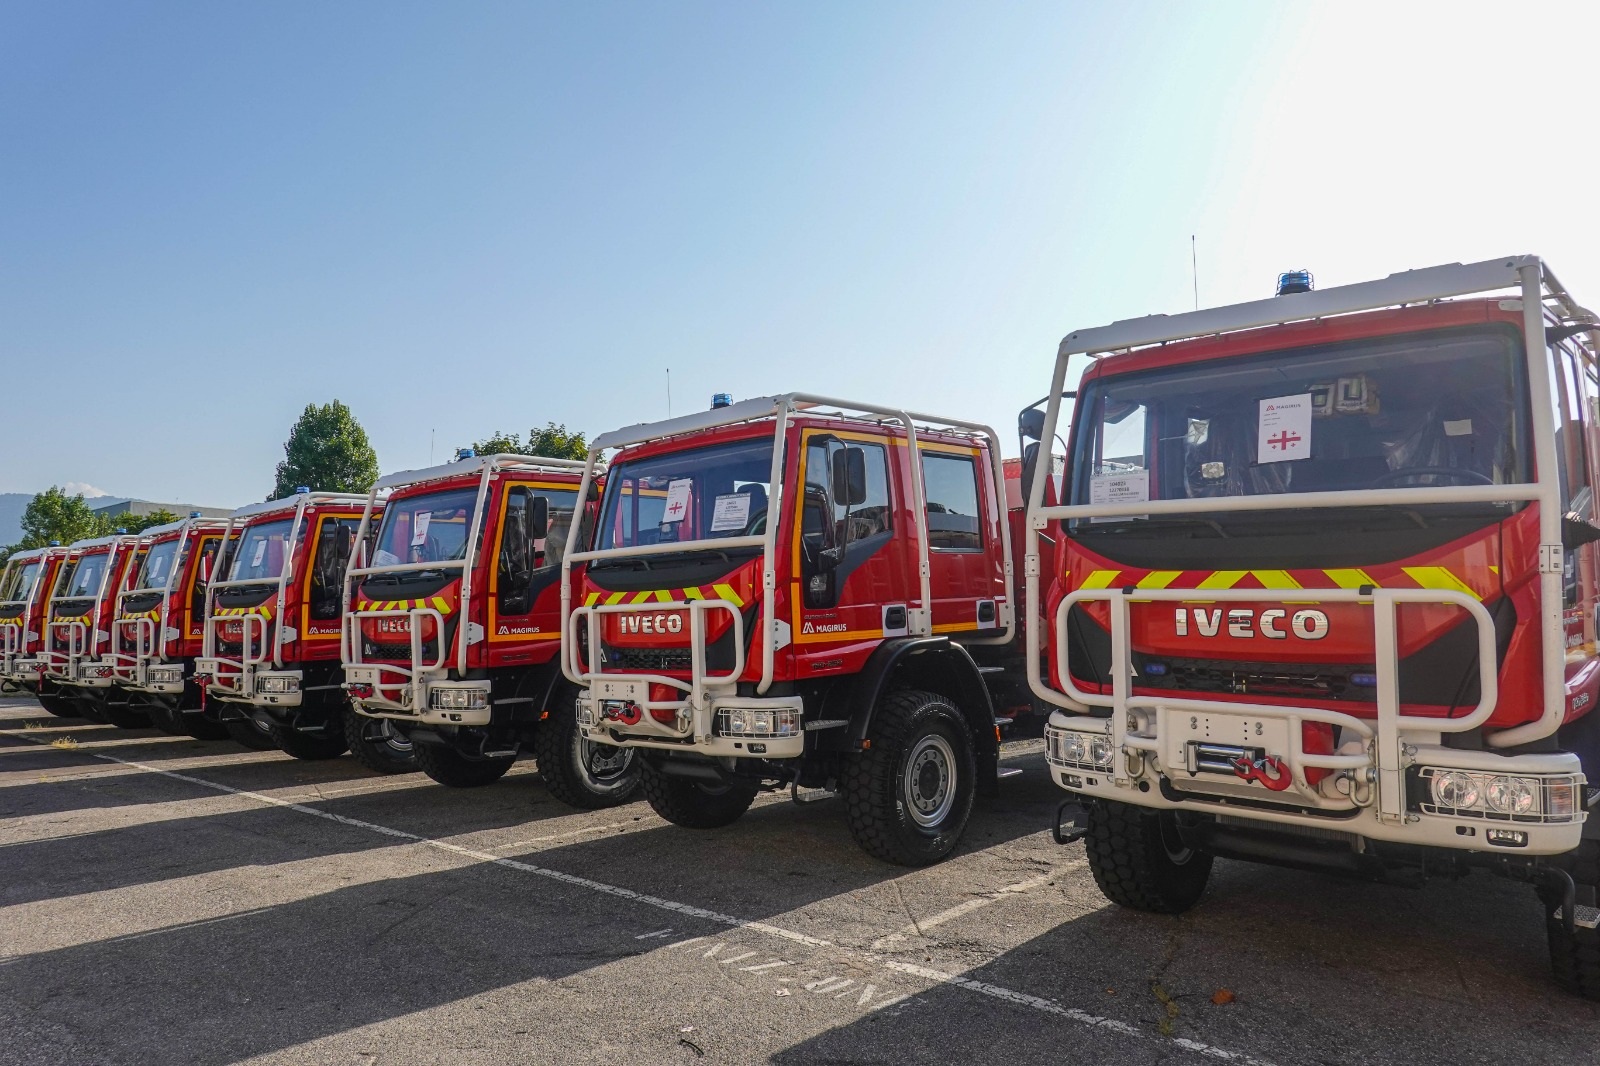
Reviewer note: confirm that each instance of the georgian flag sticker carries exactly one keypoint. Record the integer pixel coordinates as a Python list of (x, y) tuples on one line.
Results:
[(1283, 430)]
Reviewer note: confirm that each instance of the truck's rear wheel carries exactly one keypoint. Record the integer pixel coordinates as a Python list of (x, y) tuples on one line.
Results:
[(579, 772), (449, 767), (376, 744), (908, 796), (249, 733), (1575, 956), (695, 804), (327, 743), (1139, 861)]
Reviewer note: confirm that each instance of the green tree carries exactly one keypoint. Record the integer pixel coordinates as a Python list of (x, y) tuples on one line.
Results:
[(554, 441), (138, 523), (327, 451), (53, 515)]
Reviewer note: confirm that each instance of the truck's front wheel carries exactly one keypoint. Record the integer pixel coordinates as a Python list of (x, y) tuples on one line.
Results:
[(695, 804), (579, 772), (1139, 861), (449, 767), (56, 703), (1575, 956), (120, 711), (376, 744), (249, 733), (908, 795), (327, 743)]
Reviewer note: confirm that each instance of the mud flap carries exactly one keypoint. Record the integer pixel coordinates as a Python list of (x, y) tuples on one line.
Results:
[(988, 764)]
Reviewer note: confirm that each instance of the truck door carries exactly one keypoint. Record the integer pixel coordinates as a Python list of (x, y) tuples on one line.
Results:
[(524, 597), (966, 570), (322, 600), (849, 557)]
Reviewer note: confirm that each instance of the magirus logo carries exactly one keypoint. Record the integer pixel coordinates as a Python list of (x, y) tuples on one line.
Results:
[(831, 627), (1245, 623)]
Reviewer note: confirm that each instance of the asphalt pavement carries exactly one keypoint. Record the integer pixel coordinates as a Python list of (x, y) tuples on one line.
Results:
[(166, 900)]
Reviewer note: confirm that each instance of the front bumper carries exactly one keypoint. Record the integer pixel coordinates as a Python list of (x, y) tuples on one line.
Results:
[(226, 681), (428, 698), (704, 732), (1176, 774)]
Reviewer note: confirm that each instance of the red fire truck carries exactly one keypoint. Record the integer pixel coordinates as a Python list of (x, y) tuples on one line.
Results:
[(452, 630), (25, 589), (1326, 591), (270, 653), (160, 624), (799, 592), (78, 624)]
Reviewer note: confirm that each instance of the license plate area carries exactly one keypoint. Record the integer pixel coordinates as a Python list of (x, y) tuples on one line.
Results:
[(1208, 743), (621, 690)]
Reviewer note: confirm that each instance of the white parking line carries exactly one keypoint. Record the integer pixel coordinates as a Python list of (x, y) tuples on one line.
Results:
[(982, 988), (920, 926)]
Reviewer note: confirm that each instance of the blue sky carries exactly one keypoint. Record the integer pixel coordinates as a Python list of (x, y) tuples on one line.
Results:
[(458, 218)]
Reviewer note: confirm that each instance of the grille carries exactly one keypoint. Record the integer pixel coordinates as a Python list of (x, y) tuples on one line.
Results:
[(398, 652), (653, 660), (1262, 679)]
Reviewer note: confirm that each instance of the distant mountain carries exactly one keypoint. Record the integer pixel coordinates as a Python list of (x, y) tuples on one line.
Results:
[(12, 504)]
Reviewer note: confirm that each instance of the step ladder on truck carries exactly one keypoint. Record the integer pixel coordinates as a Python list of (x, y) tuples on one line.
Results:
[(270, 663), (78, 624), (801, 593), (26, 585), (452, 628), (160, 626), (1325, 591)]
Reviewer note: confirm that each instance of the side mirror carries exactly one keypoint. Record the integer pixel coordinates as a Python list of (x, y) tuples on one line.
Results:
[(1030, 460), (849, 476), (538, 518), (1030, 424)]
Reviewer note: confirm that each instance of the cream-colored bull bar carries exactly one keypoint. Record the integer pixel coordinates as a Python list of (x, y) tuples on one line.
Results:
[(1386, 754), (63, 665), (701, 680), (410, 695)]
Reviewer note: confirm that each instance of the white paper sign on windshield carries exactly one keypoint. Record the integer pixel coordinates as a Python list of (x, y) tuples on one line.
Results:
[(732, 512), (260, 553), (1130, 487), (1283, 431), (677, 505), (419, 533)]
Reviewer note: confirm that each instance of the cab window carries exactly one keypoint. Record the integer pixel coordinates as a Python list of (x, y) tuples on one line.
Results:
[(335, 538), (950, 487), (522, 555)]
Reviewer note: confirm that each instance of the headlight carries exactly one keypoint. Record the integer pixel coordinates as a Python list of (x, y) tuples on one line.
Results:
[(277, 685), (1088, 751), (758, 722), (1455, 790), (1100, 751), (166, 674), (1511, 795), (458, 699)]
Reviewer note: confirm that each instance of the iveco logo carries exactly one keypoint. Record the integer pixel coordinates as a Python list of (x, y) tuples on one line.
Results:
[(1245, 623), (651, 623)]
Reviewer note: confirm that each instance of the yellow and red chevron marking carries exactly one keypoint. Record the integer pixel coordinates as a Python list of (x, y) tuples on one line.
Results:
[(1388, 576), (265, 611), (438, 603), (152, 613), (721, 590)]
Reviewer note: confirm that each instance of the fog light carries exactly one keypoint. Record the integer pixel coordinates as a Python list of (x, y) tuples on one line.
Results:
[(277, 685), (1455, 789), (1100, 752), (758, 722), (1507, 838), (166, 674), (1511, 795), (458, 699)]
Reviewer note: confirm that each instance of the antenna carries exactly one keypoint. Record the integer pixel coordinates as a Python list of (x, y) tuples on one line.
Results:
[(669, 392), (1194, 267), (431, 433)]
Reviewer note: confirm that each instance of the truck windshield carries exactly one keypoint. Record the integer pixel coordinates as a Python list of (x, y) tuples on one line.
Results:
[(1426, 409), (85, 579), (158, 565), (428, 528), (709, 493), (260, 552), (18, 584)]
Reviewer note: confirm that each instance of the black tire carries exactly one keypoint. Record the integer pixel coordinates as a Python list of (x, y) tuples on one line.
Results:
[(695, 804), (201, 727), (59, 705), (248, 733), (376, 744), (1575, 957), (1139, 861), (453, 769), (908, 796), (165, 717), (578, 772), (330, 743), (119, 711)]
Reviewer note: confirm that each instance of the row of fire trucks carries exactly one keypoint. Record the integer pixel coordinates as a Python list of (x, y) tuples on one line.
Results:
[(1309, 581)]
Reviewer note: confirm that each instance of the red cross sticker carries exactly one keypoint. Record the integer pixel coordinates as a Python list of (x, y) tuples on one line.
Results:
[(1284, 440), (676, 510)]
